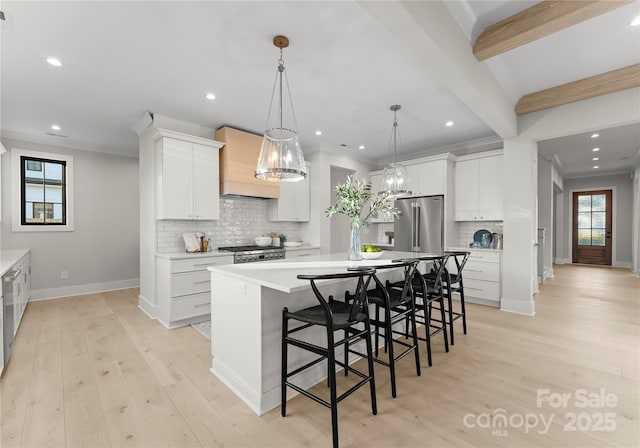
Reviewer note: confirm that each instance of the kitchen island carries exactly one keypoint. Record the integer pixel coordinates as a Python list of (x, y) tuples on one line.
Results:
[(246, 320)]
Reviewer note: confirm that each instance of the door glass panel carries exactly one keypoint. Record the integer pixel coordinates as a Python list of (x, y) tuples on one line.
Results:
[(584, 203), (584, 237), (598, 202), (584, 220), (592, 219), (597, 220), (597, 237)]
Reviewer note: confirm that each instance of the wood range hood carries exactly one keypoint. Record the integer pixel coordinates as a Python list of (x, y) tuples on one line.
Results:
[(238, 160)]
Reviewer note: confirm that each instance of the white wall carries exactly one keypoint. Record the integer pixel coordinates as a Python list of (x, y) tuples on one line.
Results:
[(545, 214), (636, 221), (622, 214), (340, 224), (318, 230), (102, 252)]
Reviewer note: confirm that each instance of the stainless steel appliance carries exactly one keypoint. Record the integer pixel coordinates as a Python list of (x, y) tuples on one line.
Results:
[(248, 254), (420, 226), (10, 289)]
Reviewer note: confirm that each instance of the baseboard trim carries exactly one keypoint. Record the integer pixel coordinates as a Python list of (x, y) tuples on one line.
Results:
[(79, 290), (562, 261), (518, 306), (622, 264), (147, 307)]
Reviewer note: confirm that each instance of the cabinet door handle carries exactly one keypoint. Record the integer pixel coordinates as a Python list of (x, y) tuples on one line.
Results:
[(304, 255), (201, 282), (205, 264), (201, 305), (473, 270), (475, 289), (477, 257)]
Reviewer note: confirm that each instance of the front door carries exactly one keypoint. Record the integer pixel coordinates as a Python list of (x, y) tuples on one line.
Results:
[(592, 227)]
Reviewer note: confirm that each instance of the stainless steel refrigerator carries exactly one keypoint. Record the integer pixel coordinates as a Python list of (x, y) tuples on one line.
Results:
[(420, 225)]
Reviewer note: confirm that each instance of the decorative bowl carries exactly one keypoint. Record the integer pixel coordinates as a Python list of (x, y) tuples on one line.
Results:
[(293, 243), (371, 255), (263, 241)]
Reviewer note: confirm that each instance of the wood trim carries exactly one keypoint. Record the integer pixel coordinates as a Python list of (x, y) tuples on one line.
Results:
[(605, 83), (536, 22)]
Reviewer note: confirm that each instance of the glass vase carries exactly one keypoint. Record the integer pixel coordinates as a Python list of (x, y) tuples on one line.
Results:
[(354, 246)]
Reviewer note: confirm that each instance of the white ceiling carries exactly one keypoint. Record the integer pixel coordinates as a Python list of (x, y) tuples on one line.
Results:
[(345, 70)]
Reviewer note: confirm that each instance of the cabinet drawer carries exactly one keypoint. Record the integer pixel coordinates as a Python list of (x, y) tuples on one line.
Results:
[(199, 264), (481, 289), (190, 306), (190, 283), (485, 256), (301, 253), (481, 271)]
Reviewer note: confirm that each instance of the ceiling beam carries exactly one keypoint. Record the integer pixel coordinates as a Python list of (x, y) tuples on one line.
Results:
[(540, 20), (441, 48), (613, 81)]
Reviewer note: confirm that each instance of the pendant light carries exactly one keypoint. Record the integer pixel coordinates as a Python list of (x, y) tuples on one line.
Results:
[(394, 177), (281, 158)]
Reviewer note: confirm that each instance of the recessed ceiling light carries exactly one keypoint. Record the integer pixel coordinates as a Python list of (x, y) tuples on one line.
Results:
[(55, 127), (596, 135), (595, 158), (595, 167), (595, 149), (210, 96), (636, 21), (449, 123), (318, 132), (361, 147), (55, 62)]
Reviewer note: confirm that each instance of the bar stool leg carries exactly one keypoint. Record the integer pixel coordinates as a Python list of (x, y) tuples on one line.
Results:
[(283, 386), (331, 373), (462, 309), (414, 333), (372, 382), (450, 303), (427, 326), (388, 335), (444, 324)]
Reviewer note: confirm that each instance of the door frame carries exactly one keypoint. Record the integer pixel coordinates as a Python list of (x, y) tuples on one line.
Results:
[(614, 222)]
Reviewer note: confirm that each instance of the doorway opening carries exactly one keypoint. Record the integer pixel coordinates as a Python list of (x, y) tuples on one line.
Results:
[(592, 226)]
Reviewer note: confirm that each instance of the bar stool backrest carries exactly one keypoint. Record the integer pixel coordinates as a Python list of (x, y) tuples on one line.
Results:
[(410, 267), (460, 257), (360, 295), (434, 280)]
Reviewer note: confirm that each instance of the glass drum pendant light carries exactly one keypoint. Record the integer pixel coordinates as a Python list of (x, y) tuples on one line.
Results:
[(281, 158), (394, 177)]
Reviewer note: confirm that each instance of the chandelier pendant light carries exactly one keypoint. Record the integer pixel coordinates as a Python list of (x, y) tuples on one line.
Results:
[(395, 182), (281, 158)]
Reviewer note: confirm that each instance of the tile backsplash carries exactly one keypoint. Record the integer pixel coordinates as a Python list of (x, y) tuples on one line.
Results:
[(241, 220), (466, 229)]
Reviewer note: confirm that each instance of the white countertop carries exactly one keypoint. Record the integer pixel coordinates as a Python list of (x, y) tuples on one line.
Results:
[(484, 249), (281, 274), (10, 257)]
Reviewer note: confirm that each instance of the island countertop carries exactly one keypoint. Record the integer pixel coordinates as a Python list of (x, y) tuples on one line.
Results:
[(281, 275)]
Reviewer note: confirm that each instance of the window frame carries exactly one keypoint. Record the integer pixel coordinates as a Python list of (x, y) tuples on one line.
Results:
[(18, 193)]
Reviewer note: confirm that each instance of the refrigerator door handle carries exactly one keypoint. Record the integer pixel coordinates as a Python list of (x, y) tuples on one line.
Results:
[(416, 212), (413, 226)]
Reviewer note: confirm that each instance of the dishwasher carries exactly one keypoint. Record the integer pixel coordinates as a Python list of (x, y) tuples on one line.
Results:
[(10, 288)]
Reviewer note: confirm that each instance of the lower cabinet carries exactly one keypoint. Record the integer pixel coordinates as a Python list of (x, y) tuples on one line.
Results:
[(482, 277), (301, 253), (183, 288)]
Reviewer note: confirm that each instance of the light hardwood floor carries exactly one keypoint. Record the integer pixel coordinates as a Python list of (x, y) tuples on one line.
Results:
[(95, 371)]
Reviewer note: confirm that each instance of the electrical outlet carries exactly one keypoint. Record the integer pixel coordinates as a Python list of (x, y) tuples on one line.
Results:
[(64, 274)]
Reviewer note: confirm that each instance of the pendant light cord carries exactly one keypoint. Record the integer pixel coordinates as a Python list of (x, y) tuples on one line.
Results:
[(278, 81)]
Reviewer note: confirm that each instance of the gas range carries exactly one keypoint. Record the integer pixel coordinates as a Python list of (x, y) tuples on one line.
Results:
[(248, 254)]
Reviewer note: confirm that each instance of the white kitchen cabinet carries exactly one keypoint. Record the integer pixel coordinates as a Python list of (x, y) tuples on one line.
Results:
[(296, 253), (293, 203), (187, 177), (183, 288), (376, 185), (478, 188), (22, 289), (427, 178), (482, 276)]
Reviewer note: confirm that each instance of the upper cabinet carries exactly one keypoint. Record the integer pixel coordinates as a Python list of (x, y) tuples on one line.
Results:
[(293, 203), (427, 178), (478, 187), (186, 176), (376, 186)]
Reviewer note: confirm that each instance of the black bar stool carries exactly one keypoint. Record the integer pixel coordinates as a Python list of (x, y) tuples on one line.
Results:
[(428, 289), (453, 283), (399, 302), (333, 315)]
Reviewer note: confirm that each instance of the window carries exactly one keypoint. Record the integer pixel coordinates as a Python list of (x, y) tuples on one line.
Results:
[(42, 193)]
